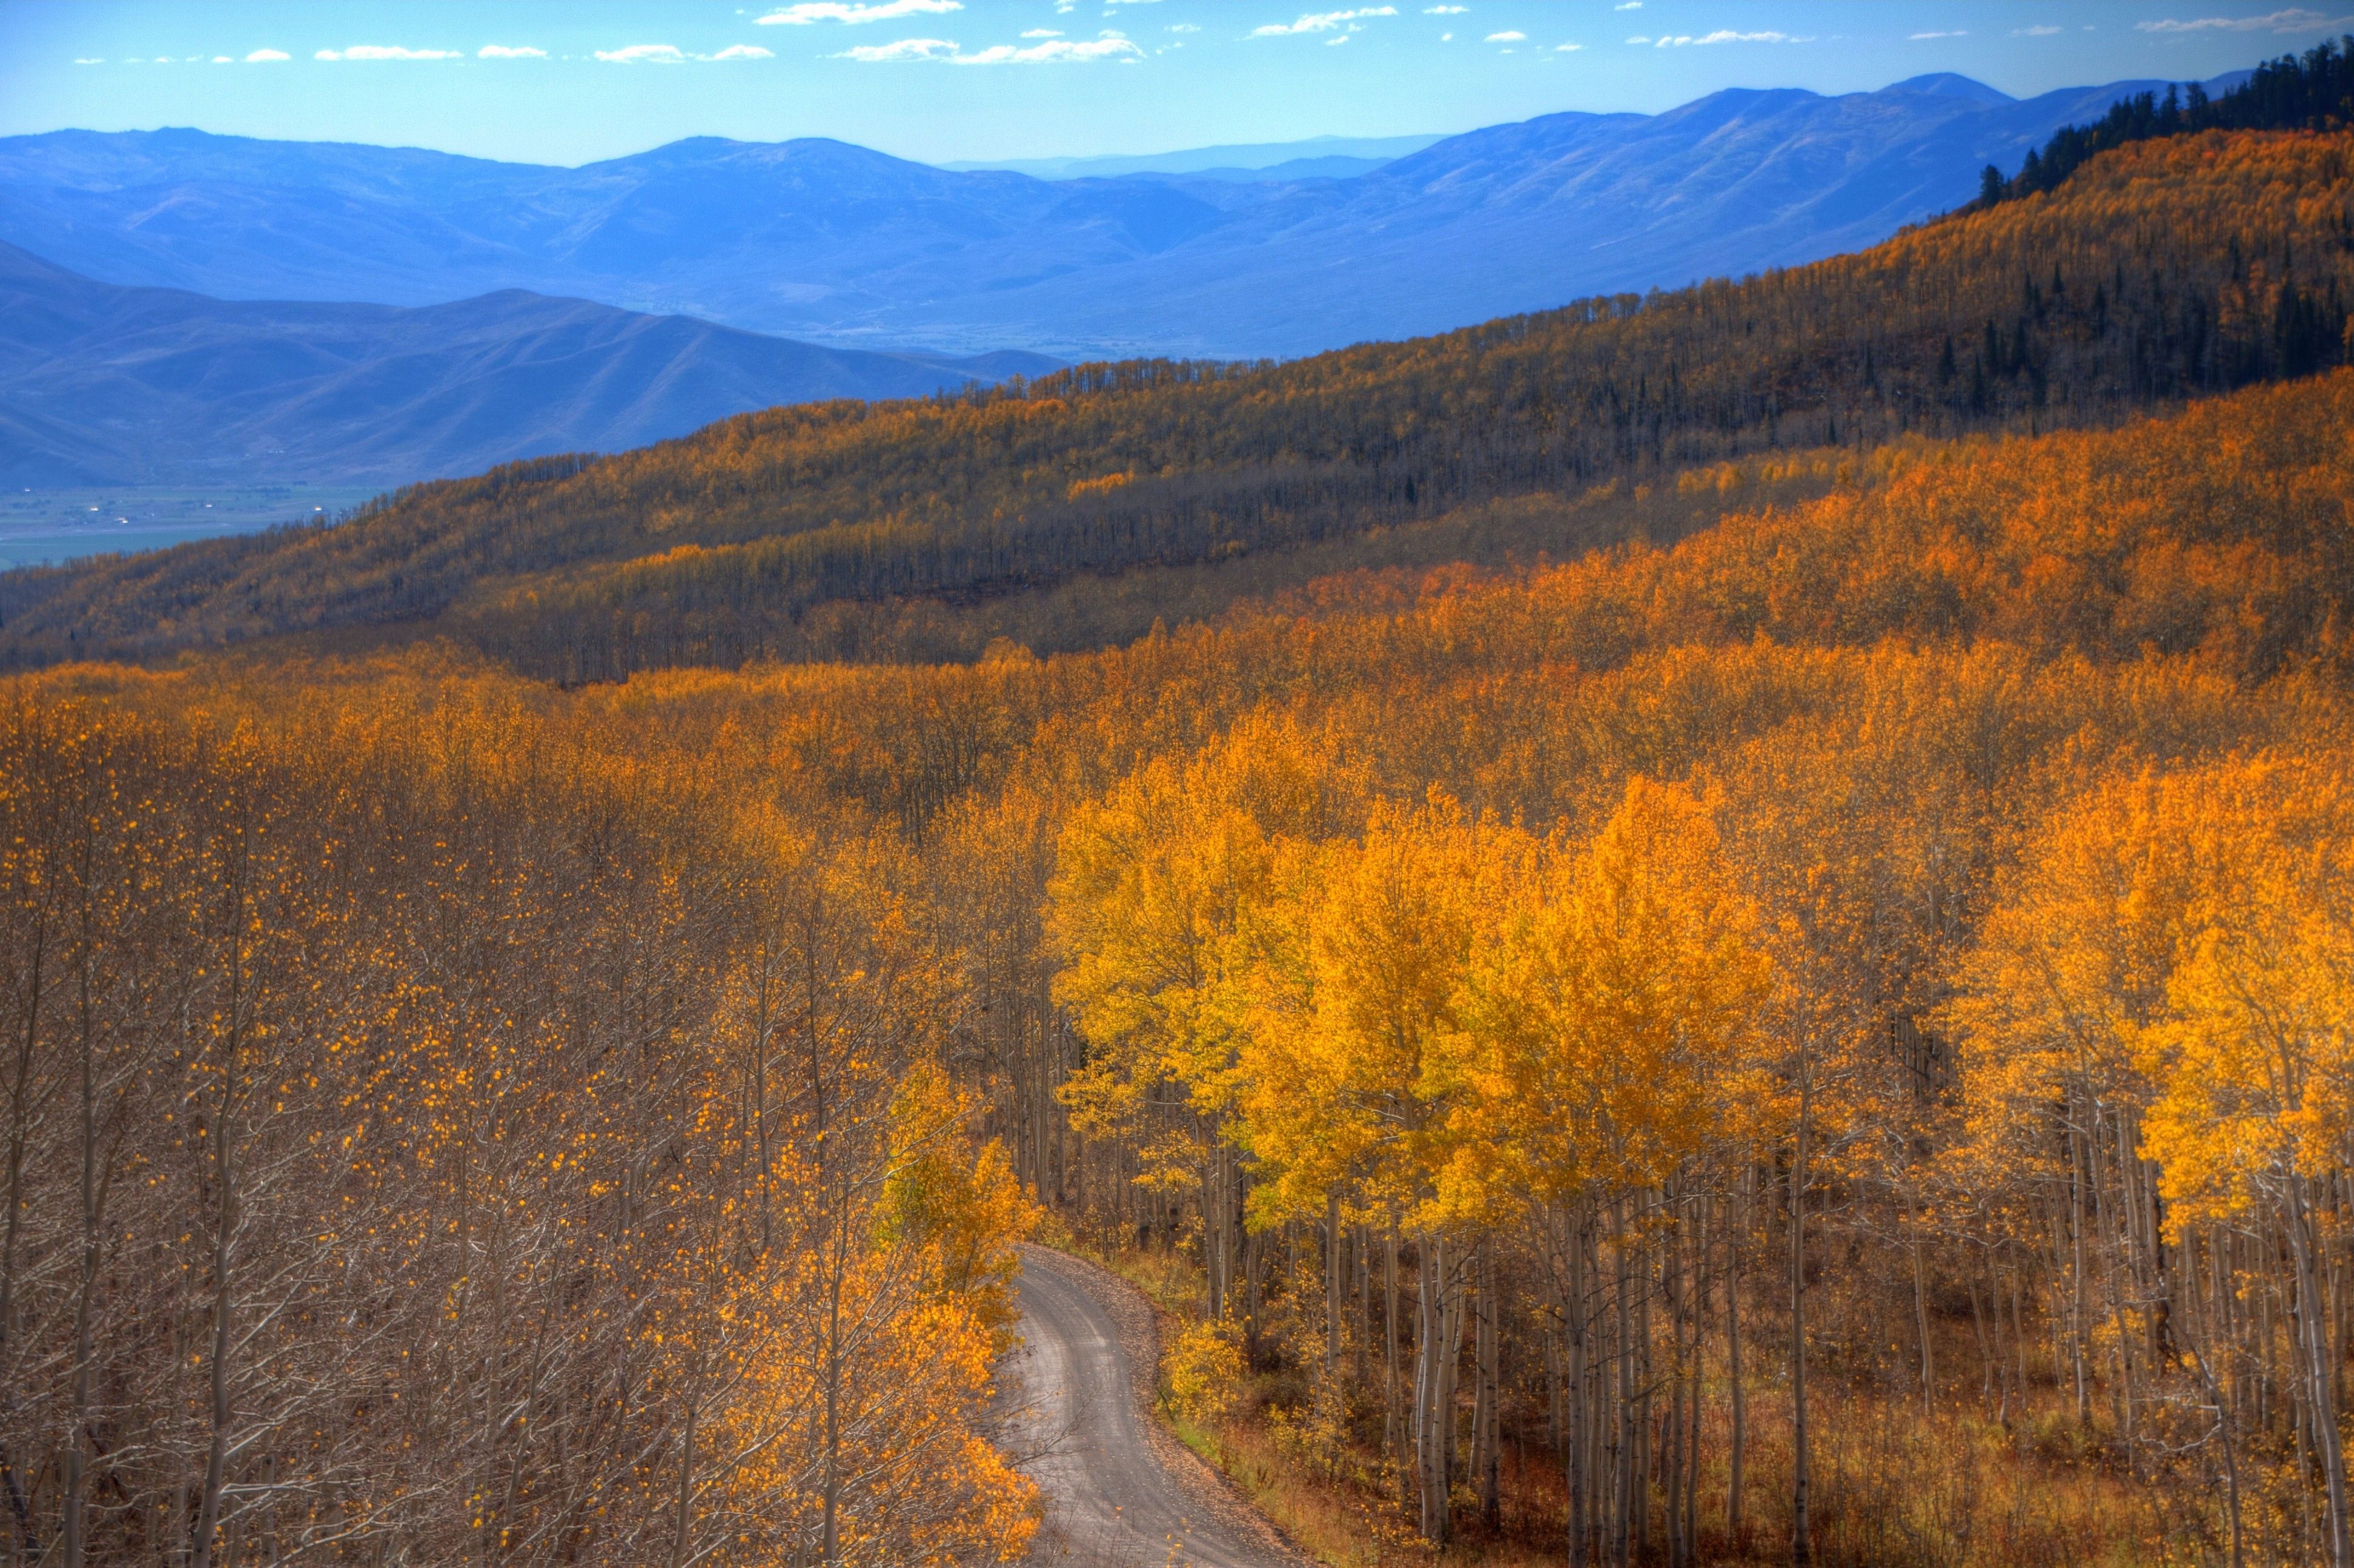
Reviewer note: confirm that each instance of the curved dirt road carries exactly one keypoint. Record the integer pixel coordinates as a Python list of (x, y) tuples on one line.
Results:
[(1121, 1492)]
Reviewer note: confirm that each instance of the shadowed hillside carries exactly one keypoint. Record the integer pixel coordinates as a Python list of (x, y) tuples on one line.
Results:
[(101, 385)]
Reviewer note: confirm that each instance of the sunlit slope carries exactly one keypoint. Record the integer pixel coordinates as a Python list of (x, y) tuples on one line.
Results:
[(2162, 270), (2211, 540)]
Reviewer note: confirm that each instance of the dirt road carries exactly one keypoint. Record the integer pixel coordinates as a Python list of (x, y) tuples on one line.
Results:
[(1121, 1492)]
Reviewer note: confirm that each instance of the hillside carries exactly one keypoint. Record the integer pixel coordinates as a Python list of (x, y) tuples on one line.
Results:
[(819, 240), (1849, 939), (2163, 270), (101, 385)]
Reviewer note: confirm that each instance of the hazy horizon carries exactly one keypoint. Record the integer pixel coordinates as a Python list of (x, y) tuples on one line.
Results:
[(924, 79)]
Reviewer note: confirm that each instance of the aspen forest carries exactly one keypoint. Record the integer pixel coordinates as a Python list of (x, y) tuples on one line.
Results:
[(1710, 928)]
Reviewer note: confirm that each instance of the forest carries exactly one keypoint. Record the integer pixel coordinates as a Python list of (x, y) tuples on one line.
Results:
[(1755, 967), (2314, 92)]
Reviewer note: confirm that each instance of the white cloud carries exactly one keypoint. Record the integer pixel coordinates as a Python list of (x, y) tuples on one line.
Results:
[(1043, 33), (1054, 51), (905, 49), (1342, 39), (671, 54), (1048, 52), (1446, 37), (1628, 5), (1638, 38), (384, 52), (1130, 3), (502, 52), (1957, 33), (1567, 48), (1320, 22), (1721, 36), (1445, 10), (223, 59), (2296, 19), (1183, 28), (262, 57), (90, 61), (808, 11), (2040, 31), (1508, 38)]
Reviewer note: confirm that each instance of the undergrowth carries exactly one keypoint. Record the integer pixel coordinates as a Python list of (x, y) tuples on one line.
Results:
[(2039, 1491)]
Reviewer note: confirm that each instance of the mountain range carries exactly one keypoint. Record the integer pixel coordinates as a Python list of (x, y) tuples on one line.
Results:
[(841, 245), (105, 384), (1327, 157)]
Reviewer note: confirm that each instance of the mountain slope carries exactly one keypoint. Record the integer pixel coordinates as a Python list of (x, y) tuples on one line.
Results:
[(2162, 270), (813, 232), (823, 240), (101, 385), (1569, 204)]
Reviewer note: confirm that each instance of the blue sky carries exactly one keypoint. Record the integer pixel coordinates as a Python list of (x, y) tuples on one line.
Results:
[(573, 81)]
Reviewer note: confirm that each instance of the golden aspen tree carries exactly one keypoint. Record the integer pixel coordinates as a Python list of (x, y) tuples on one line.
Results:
[(1149, 890), (1347, 1086), (1609, 1032), (960, 1201), (2251, 1058)]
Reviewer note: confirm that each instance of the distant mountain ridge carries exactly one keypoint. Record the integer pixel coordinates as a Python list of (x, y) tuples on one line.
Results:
[(826, 241), (1257, 159), (101, 385)]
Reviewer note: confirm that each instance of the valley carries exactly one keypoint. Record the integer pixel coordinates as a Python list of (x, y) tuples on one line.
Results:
[(45, 527)]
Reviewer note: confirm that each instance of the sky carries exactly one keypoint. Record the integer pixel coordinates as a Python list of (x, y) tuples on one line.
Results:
[(570, 81)]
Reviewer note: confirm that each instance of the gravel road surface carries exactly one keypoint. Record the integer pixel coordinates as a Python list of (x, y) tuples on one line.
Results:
[(1121, 1491)]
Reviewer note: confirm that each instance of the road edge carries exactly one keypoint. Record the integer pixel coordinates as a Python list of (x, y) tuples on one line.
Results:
[(1203, 1483)]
